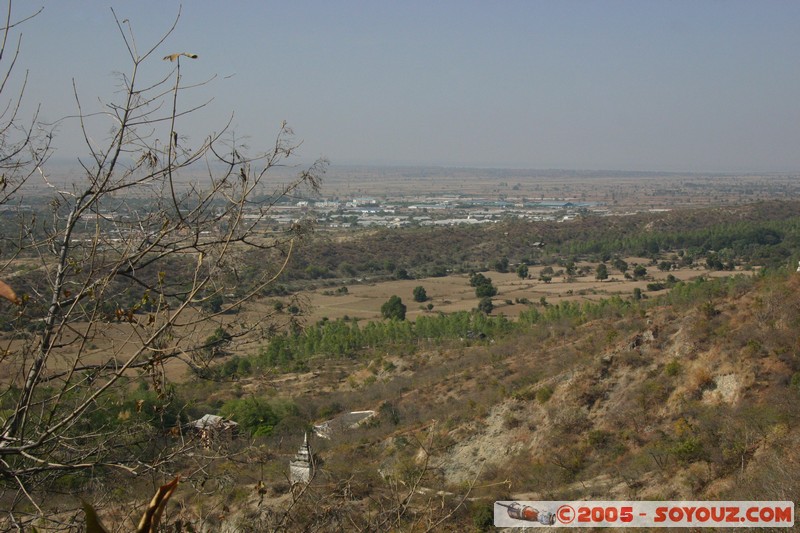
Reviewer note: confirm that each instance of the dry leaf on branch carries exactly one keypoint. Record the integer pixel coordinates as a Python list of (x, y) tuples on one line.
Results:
[(173, 57)]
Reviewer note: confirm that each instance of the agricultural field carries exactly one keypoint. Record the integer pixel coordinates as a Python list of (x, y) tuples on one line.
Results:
[(453, 293), (362, 301)]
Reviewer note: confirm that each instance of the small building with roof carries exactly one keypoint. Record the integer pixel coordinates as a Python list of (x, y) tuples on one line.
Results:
[(214, 428)]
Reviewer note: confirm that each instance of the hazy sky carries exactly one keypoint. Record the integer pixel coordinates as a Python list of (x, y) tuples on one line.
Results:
[(690, 85)]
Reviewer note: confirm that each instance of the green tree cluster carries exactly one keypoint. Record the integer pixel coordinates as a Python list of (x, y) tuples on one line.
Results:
[(546, 274), (766, 237), (394, 309), (502, 265), (601, 273), (345, 338), (639, 272), (256, 415), (420, 295), (483, 285), (485, 305)]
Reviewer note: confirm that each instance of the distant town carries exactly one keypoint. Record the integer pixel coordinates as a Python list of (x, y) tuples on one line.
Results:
[(432, 211), (397, 197)]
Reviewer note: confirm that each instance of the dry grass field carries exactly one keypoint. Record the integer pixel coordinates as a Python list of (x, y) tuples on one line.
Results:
[(453, 293), (118, 341)]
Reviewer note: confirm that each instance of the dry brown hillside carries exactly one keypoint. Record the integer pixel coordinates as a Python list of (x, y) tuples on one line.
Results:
[(692, 397)]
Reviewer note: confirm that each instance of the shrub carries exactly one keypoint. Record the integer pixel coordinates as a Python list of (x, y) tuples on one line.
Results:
[(673, 368), (501, 265), (688, 449), (486, 290), (394, 309), (402, 273), (253, 414), (544, 393), (483, 516), (419, 294), (485, 305), (795, 381), (599, 439), (483, 285)]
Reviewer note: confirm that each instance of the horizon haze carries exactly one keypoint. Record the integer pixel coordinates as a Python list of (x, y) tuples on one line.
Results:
[(681, 86)]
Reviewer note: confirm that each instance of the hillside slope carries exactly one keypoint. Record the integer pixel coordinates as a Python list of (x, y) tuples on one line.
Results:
[(692, 396)]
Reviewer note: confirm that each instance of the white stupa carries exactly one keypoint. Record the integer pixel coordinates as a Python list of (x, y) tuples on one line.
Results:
[(302, 466)]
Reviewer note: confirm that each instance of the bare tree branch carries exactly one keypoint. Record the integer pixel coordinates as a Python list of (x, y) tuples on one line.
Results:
[(120, 264)]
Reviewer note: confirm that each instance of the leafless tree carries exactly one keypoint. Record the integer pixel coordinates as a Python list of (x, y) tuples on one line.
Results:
[(24, 145), (119, 270)]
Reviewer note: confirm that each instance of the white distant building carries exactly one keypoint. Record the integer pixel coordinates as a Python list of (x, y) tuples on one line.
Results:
[(364, 200), (325, 204), (302, 466)]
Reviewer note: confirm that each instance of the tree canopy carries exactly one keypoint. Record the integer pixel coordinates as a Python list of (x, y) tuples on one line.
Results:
[(394, 309)]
